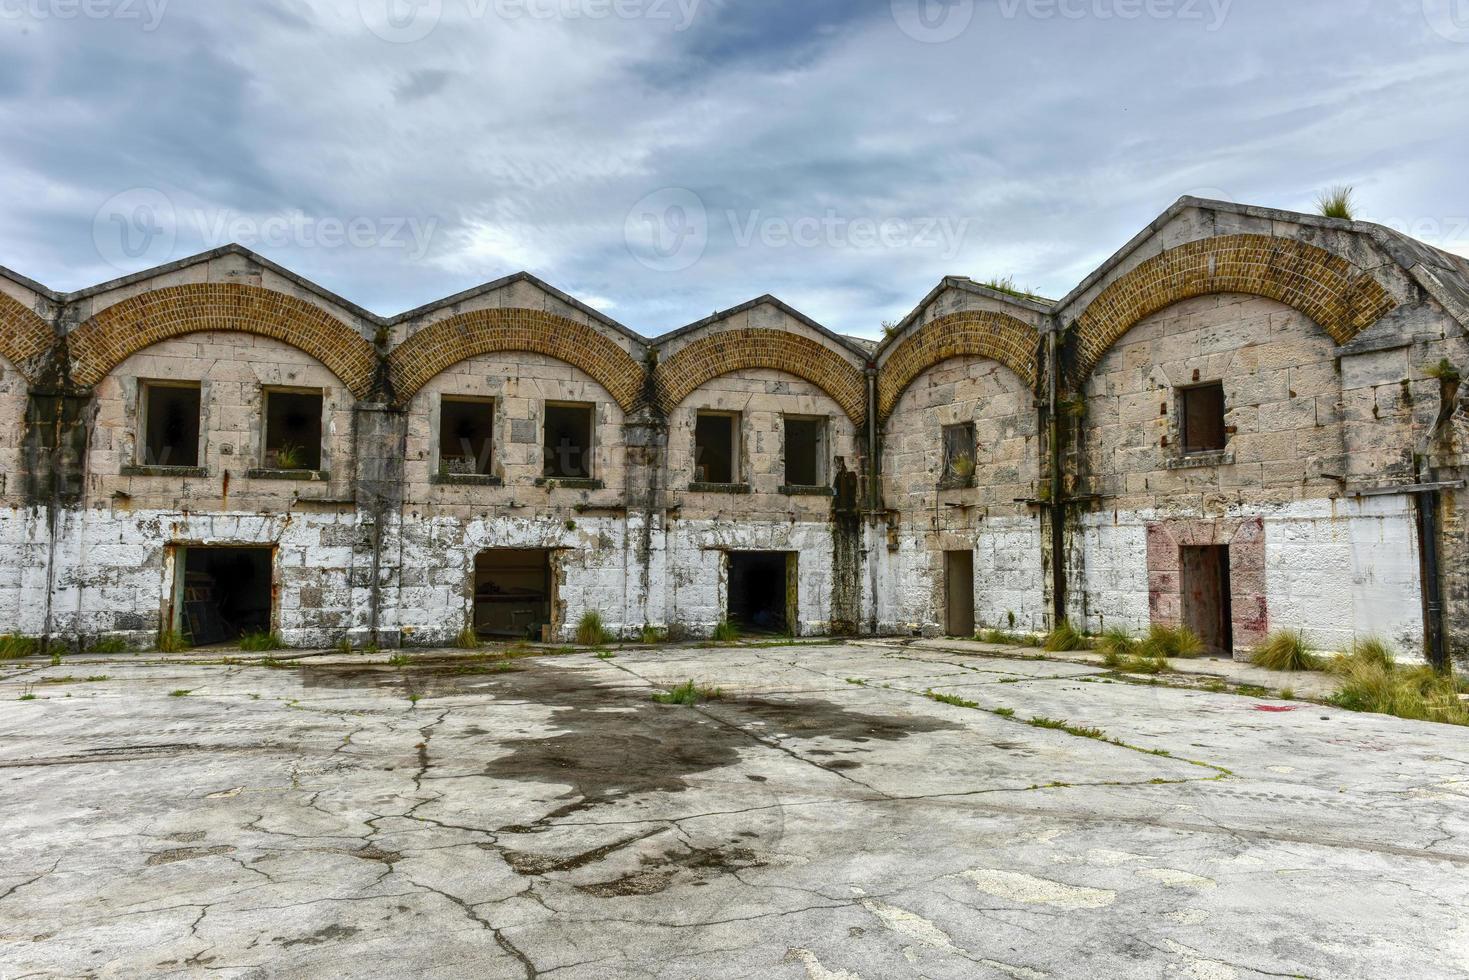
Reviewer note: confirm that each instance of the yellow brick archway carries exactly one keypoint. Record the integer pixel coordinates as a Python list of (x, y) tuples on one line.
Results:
[(24, 336), (728, 351), (109, 338), (1343, 300), (971, 333), (440, 346)]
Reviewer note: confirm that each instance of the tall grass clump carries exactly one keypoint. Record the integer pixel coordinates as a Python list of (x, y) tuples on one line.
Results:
[(467, 639), (172, 641), (1064, 638), (589, 630), (1286, 650), (13, 646), (726, 632), (1415, 693), (1337, 202), (259, 641), (1172, 641)]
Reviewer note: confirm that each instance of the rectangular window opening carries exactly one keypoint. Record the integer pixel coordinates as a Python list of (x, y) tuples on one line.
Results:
[(466, 436), (959, 452), (716, 447), (1202, 421), (805, 452), (293, 430), (568, 441), (170, 425)]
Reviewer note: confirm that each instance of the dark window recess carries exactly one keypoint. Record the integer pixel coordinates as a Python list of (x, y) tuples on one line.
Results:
[(568, 442), (959, 452), (1202, 423), (714, 449), (805, 449), (466, 436), (292, 430), (171, 421)]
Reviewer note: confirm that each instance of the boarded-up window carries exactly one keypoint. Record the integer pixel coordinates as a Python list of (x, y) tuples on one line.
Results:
[(1202, 407), (466, 435), (293, 430), (170, 425), (716, 447), (805, 452), (568, 440)]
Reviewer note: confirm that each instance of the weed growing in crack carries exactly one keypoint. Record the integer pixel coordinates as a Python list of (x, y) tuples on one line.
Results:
[(467, 639), (414, 698), (688, 693), (1286, 650), (857, 681), (726, 632), (180, 693), (590, 632), (260, 641), (1216, 687), (344, 646), (14, 646), (1061, 725), (399, 660), (171, 641), (605, 654), (1005, 712), (957, 702), (1065, 638)]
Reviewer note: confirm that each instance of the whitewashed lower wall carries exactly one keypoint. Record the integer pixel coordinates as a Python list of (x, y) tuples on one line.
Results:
[(1009, 577), (1336, 569), (697, 590)]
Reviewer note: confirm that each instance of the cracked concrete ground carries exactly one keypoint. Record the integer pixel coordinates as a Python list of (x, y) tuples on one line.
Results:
[(825, 820)]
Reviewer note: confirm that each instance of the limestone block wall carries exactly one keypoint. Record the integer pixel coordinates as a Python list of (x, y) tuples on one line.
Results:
[(13, 393), (234, 370), (989, 517)]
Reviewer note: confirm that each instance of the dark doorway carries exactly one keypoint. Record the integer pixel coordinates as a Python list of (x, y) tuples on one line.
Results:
[(1204, 582), (227, 592), (762, 591), (512, 592), (959, 593)]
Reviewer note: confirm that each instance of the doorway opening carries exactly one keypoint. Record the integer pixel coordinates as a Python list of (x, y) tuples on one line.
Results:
[(1207, 604), (512, 593), (763, 592), (959, 593), (224, 593)]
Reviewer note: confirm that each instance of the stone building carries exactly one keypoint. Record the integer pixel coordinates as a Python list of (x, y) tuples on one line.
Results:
[(1245, 419)]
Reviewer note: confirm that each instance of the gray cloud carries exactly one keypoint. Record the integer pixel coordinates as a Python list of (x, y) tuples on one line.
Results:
[(511, 140)]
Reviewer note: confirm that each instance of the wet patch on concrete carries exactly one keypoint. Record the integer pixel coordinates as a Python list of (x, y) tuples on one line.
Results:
[(693, 865), (187, 854)]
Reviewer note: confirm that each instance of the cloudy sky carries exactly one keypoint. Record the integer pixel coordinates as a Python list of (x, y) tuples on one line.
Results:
[(663, 159)]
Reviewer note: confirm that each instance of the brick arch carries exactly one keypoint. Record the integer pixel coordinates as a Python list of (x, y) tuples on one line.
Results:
[(24, 336), (440, 346), (971, 333), (727, 351), (109, 338), (1322, 285)]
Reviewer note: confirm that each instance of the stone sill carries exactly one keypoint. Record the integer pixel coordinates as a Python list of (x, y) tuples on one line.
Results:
[(569, 483), (1190, 461), (802, 491), (956, 483), (303, 476), (719, 488), (466, 480), (174, 471)]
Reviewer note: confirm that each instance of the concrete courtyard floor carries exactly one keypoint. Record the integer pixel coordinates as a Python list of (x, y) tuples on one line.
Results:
[(345, 817)]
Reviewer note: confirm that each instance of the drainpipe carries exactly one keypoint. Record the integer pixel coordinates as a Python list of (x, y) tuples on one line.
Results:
[(1058, 505)]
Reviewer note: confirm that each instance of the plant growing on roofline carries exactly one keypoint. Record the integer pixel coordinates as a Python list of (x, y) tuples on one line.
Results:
[(1337, 202)]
